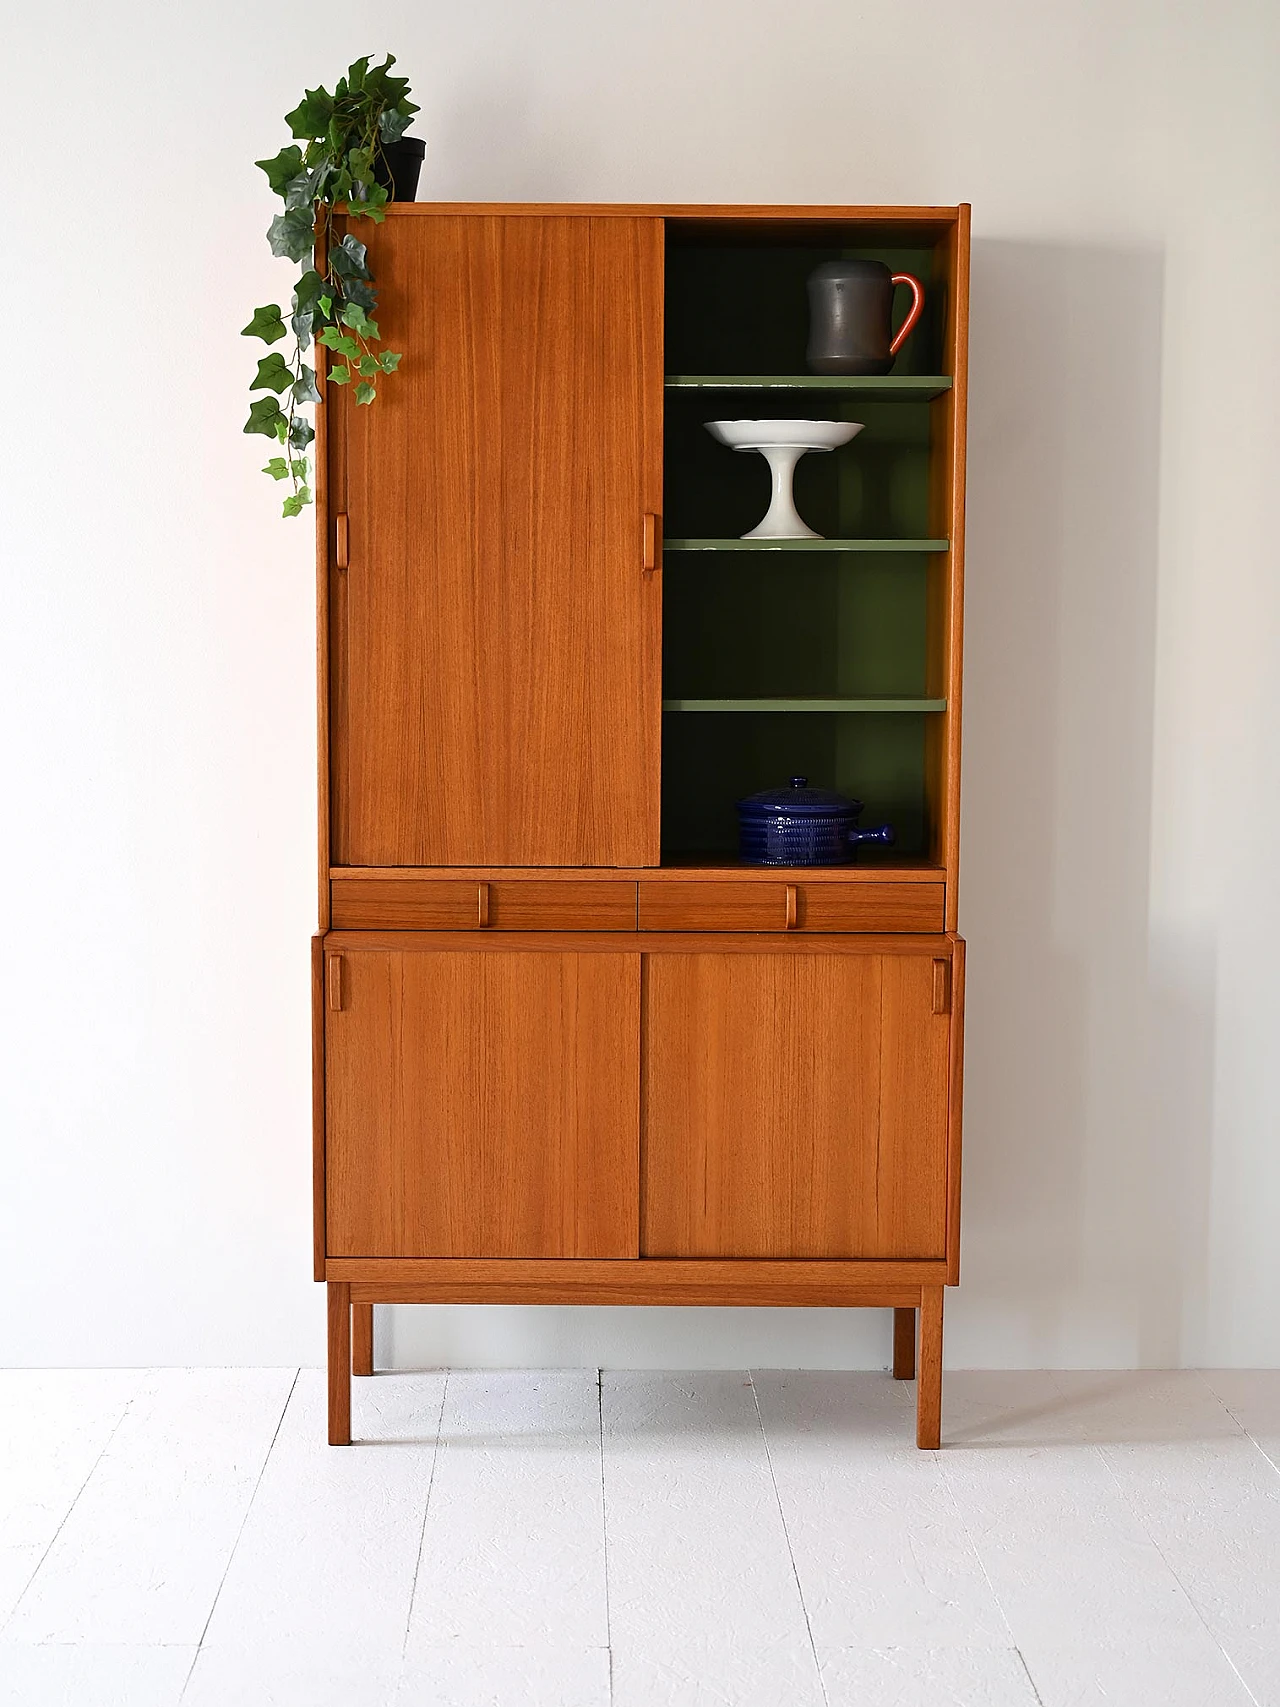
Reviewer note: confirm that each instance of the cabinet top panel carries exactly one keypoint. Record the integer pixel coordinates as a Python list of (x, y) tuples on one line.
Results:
[(903, 223)]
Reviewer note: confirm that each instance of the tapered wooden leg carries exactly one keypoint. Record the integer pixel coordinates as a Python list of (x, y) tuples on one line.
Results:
[(362, 1339), (904, 1344), (339, 1363), (929, 1370)]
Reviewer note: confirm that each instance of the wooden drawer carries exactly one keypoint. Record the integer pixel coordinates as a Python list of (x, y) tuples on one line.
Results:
[(755, 905), (460, 903)]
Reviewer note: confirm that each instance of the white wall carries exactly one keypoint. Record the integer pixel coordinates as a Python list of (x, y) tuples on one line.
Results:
[(1121, 823)]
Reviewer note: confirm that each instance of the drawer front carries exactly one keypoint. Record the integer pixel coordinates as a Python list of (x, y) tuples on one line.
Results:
[(779, 906), (460, 904)]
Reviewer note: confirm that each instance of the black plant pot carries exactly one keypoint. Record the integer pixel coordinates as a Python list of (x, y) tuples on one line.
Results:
[(398, 165)]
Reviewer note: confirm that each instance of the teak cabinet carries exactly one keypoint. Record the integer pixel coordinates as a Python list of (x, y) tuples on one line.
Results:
[(566, 1048)]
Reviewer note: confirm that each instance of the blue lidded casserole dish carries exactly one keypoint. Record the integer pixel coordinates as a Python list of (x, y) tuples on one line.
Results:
[(800, 825)]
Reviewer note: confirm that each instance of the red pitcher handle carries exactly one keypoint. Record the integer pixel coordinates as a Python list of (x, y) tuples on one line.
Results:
[(913, 313)]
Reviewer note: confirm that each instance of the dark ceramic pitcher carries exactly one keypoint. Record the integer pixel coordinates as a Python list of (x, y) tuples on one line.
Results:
[(851, 316)]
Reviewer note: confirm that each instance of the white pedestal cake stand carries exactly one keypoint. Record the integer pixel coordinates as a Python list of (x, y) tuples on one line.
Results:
[(782, 444)]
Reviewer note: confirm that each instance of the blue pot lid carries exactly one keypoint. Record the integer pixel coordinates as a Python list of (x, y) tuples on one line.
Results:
[(799, 801)]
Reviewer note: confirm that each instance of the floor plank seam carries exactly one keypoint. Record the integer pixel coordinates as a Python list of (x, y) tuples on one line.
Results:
[(786, 1536), (231, 1551), (75, 1500), (1026, 1669), (1191, 1600), (1245, 1430), (426, 1508), (981, 1563), (604, 1531)]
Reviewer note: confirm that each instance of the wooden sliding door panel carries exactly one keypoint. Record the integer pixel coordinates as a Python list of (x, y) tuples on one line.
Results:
[(795, 1106), (483, 1104), (501, 693)]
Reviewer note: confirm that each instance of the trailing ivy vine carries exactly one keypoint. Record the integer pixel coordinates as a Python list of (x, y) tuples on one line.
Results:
[(342, 136)]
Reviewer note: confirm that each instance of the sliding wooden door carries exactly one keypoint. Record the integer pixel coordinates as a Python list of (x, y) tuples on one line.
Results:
[(497, 686)]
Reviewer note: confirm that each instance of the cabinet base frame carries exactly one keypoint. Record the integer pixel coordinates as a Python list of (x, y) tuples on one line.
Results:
[(915, 1298)]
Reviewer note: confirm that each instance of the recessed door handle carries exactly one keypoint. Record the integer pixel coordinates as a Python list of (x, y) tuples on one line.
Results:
[(482, 906), (942, 986), (792, 907)]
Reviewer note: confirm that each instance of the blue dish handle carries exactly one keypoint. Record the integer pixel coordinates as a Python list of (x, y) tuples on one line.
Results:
[(884, 835)]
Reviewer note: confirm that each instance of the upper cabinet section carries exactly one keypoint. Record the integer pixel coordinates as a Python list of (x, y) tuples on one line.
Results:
[(496, 637)]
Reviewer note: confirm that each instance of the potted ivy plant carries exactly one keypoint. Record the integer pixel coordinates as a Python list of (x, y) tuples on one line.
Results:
[(345, 153)]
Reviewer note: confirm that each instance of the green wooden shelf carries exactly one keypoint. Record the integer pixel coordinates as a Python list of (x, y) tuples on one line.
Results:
[(922, 387), (879, 703), (806, 545)]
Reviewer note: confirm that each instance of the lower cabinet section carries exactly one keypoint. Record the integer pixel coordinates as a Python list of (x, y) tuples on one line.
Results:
[(482, 1103), (796, 1104), (741, 1098)]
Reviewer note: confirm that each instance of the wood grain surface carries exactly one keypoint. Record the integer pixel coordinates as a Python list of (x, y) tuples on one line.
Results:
[(317, 1109), (484, 1104), (501, 695), (737, 905), (904, 1345), (929, 1370), (338, 1295), (362, 1339), (450, 903), (795, 1105)]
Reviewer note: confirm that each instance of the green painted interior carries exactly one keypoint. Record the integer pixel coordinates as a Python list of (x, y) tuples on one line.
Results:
[(892, 385), (805, 544), (709, 762), (841, 620), (807, 702)]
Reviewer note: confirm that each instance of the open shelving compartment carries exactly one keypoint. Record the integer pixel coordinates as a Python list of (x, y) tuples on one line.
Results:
[(837, 659)]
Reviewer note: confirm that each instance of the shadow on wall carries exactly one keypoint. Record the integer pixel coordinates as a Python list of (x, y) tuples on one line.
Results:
[(1089, 1066)]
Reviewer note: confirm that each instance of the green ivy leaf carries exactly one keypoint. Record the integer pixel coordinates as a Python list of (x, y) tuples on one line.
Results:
[(369, 365), (309, 120), (356, 290), (365, 393), (277, 468), (301, 433), (339, 375), (299, 466), (266, 324), (274, 374), (390, 360), (284, 167), (325, 305), (308, 290), (392, 123), (354, 315), (292, 234), (304, 389), (293, 504), (340, 342), (280, 427), (347, 258), (264, 412), (301, 324), (300, 191)]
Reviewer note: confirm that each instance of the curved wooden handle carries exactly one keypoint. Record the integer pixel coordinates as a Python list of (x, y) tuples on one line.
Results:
[(649, 543), (792, 908), (913, 313), (482, 905)]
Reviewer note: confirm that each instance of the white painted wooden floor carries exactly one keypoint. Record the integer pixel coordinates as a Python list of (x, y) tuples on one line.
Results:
[(519, 1540)]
